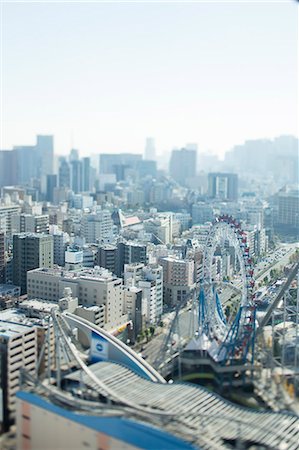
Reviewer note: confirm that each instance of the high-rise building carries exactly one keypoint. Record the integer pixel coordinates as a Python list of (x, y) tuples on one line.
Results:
[(97, 227), (182, 165), (64, 173), (86, 175), (44, 146), (2, 257), (223, 186), (92, 287), (108, 257), (202, 213), (287, 222), (150, 149), (8, 168), (178, 277), (51, 185), (18, 350), (110, 163), (128, 253), (76, 176), (27, 163), (30, 251), (28, 223)]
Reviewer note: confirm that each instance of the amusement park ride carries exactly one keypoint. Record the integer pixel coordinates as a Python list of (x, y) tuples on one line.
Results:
[(225, 335), (110, 378)]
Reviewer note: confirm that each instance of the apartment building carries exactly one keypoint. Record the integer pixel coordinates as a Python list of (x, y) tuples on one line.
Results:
[(18, 350)]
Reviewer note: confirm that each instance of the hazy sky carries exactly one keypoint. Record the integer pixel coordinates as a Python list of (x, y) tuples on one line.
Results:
[(215, 73)]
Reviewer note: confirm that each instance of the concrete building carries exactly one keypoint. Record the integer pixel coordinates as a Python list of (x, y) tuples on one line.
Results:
[(288, 213), (9, 290), (6, 213), (30, 251), (18, 350), (150, 149), (29, 223), (130, 252), (97, 227), (178, 279), (107, 257), (133, 297), (160, 227), (59, 246), (202, 213), (152, 289), (2, 257), (223, 186), (182, 165), (149, 278), (92, 287)]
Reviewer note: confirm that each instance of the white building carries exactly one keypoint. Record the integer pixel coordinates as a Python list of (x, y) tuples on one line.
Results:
[(149, 279), (18, 350), (97, 227), (93, 287), (178, 278)]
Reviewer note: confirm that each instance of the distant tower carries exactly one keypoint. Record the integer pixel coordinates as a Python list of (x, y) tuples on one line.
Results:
[(150, 150)]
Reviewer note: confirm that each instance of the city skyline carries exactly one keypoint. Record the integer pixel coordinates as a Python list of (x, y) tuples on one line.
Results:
[(102, 77)]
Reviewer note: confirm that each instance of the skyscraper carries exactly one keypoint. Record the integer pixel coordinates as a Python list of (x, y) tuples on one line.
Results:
[(30, 251), (64, 173), (2, 260), (182, 165), (150, 150), (51, 185), (76, 176), (223, 186), (44, 146), (86, 174)]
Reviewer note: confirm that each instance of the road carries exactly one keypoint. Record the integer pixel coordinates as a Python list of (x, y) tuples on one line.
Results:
[(151, 350)]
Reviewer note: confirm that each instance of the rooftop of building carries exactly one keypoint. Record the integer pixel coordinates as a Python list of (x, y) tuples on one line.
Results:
[(6, 288), (97, 273), (13, 322)]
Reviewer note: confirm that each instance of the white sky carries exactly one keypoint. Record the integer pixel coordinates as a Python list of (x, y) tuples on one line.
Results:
[(111, 74)]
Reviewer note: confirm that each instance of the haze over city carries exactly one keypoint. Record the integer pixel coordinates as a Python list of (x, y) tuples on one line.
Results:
[(102, 76), (149, 225)]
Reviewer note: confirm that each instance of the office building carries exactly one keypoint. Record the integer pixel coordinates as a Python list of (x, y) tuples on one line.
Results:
[(8, 168), (133, 297), (2, 257), (18, 350), (202, 213), (223, 186), (150, 149), (30, 251), (86, 175), (92, 287), (182, 165), (97, 227), (64, 173), (6, 213), (161, 227), (128, 253), (45, 150), (148, 278), (28, 223), (76, 176), (51, 185), (107, 257), (178, 279), (287, 222), (110, 163)]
